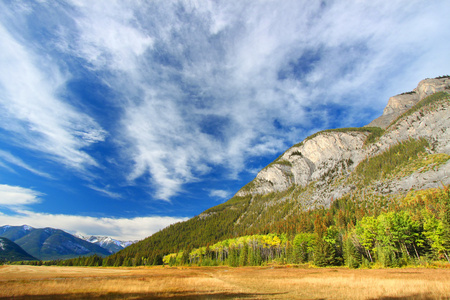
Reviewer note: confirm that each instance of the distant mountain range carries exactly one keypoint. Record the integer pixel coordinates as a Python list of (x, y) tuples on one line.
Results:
[(50, 244), (110, 244)]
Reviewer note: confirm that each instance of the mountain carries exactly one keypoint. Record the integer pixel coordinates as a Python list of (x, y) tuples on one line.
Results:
[(108, 243), (406, 148), (15, 232), (328, 157), (49, 243), (10, 251)]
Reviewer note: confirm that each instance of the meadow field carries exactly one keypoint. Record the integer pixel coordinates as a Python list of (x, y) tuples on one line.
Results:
[(41, 282)]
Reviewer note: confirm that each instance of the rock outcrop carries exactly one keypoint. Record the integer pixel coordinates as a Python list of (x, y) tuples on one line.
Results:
[(399, 104), (315, 158)]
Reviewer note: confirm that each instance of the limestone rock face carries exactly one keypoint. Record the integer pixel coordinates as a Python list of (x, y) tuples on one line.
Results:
[(399, 104), (323, 155), (335, 154), (430, 86), (433, 125)]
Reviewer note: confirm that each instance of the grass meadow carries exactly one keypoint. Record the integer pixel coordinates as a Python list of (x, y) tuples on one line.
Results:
[(41, 282)]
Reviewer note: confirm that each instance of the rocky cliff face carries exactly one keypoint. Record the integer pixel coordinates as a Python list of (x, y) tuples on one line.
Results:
[(399, 104), (330, 152), (328, 158)]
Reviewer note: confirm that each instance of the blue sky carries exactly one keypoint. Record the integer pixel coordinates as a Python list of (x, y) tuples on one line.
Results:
[(121, 117)]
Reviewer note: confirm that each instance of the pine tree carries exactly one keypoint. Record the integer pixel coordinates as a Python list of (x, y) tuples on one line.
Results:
[(323, 251), (243, 258), (185, 257), (303, 247), (233, 257), (445, 217), (352, 257)]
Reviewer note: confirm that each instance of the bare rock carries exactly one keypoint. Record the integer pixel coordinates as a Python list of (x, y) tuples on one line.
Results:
[(324, 155), (430, 86), (399, 104)]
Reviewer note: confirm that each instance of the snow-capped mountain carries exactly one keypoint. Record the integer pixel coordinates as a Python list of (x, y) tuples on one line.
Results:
[(50, 243), (110, 244), (15, 232)]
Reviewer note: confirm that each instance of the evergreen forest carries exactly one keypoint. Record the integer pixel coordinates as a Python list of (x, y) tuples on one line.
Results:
[(413, 230)]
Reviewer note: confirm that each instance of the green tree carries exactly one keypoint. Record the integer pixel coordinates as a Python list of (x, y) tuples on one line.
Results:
[(185, 257), (324, 253), (243, 258), (303, 247), (233, 258), (434, 231), (366, 230), (352, 257)]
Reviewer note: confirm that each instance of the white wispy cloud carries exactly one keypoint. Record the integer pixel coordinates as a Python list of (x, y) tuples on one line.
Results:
[(109, 35), (7, 167), (105, 191), (8, 157), (34, 108), (15, 197), (221, 194)]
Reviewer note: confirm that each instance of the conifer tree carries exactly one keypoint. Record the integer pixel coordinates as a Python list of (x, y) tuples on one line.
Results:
[(352, 257), (323, 251), (233, 259), (243, 258), (185, 257)]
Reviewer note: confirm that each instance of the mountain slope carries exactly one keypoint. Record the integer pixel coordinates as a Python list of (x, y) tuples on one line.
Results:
[(372, 165), (50, 243), (10, 251)]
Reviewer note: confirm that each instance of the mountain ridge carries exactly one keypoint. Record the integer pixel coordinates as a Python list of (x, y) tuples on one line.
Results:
[(401, 103)]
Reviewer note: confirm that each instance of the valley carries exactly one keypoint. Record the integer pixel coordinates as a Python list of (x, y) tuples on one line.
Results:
[(359, 197), (215, 149)]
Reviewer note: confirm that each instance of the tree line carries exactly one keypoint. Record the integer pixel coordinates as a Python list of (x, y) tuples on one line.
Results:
[(416, 232), (413, 230)]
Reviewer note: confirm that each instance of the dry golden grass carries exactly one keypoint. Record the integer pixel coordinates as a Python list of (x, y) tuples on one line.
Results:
[(30, 282)]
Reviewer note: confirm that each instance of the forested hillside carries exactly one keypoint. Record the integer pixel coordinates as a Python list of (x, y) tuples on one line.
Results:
[(412, 230)]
